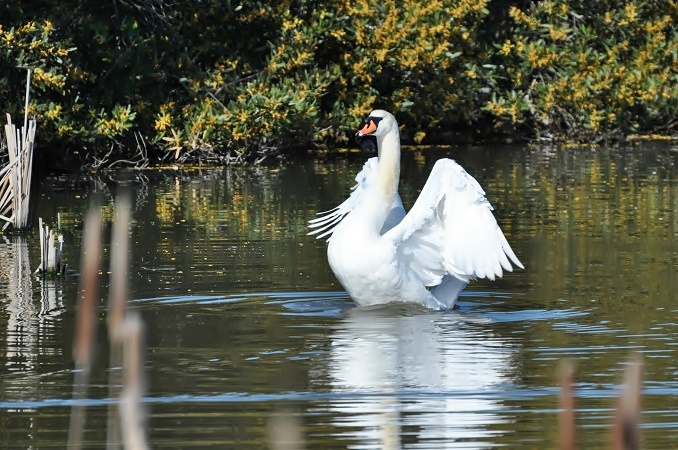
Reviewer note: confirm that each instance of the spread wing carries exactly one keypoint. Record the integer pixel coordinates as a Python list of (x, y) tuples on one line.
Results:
[(451, 229), (327, 222)]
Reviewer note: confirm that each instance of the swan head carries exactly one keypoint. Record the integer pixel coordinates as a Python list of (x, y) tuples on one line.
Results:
[(378, 123)]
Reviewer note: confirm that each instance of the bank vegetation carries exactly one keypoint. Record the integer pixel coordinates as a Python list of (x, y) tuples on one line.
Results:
[(131, 81)]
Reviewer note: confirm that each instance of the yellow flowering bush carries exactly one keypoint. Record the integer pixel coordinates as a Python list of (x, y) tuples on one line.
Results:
[(242, 81), (590, 70), (56, 99), (328, 65)]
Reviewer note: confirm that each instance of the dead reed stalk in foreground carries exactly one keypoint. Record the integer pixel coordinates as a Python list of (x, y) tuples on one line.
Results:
[(132, 411), (626, 432), (626, 427), (285, 433), (566, 424), (127, 420), (86, 322)]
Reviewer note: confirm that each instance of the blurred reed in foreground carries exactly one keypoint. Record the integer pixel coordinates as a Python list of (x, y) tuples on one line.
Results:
[(625, 433), (126, 419)]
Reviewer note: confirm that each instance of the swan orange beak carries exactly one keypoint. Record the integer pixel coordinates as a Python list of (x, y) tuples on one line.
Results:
[(369, 126)]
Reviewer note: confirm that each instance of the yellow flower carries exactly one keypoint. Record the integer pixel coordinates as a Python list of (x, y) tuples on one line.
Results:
[(380, 54), (338, 33), (419, 136), (64, 129), (608, 18), (514, 112), (53, 113), (163, 122), (496, 109), (557, 34), (630, 12), (520, 17), (506, 48), (49, 79), (594, 120), (291, 24)]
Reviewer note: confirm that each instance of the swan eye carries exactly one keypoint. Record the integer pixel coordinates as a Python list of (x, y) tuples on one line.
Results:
[(370, 125)]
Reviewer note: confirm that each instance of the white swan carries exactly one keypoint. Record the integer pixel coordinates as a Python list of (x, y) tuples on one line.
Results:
[(381, 255)]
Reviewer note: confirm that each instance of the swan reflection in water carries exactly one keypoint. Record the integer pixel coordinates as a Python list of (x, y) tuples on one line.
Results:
[(432, 377)]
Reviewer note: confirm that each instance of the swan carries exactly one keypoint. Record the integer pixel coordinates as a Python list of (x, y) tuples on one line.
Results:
[(382, 255)]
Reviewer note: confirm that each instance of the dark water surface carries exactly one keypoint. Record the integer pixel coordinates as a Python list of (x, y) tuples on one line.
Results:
[(249, 335)]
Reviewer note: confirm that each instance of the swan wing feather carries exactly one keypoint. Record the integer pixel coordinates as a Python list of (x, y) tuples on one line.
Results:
[(325, 224), (451, 230)]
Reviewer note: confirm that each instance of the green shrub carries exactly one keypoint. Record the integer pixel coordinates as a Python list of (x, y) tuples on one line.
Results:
[(241, 81), (586, 70)]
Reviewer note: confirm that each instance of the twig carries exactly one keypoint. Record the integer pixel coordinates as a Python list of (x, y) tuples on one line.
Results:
[(239, 80), (138, 161), (99, 162), (216, 99)]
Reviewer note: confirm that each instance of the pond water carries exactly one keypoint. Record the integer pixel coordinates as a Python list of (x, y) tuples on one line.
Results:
[(250, 338)]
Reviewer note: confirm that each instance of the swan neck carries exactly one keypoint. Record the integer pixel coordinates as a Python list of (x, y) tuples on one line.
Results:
[(389, 164)]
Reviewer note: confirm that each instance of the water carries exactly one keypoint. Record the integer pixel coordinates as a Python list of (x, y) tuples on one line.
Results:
[(249, 335)]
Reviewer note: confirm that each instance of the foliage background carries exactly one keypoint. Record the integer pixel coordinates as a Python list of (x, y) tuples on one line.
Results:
[(240, 81)]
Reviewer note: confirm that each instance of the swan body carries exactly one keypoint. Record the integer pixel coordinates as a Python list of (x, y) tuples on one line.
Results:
[(380, 254)]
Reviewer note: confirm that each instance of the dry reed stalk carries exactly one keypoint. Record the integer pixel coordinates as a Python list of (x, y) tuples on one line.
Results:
[(626, 428), (626, 431), (86, 323), (117, 302), (28, 98), (5, 195), (567, 429), (115, 379), (117, 294), (51, 246), (16, 176), (132, 411), (126, 424), (10, 176), (285, 433), (127, 421)]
